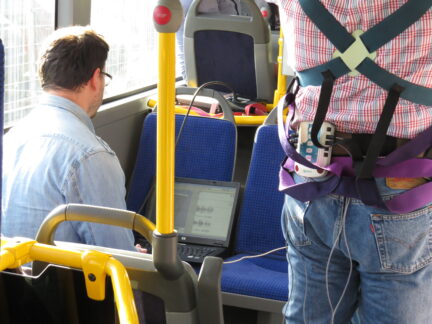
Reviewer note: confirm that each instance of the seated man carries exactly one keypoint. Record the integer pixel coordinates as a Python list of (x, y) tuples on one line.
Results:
[(54, 157)]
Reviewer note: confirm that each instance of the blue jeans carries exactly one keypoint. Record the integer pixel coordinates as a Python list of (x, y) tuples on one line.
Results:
[(389, 278)]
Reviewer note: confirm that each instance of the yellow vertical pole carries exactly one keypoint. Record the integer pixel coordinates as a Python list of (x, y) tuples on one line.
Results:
[(167, 18), (282, 79), (165, 157)]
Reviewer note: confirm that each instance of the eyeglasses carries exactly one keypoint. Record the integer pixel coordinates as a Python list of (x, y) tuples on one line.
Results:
[(108, 78)]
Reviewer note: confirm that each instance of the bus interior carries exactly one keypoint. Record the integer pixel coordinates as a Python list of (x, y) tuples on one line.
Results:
[(218, 124)]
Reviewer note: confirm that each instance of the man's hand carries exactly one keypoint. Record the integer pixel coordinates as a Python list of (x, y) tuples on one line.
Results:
[(140, 249)]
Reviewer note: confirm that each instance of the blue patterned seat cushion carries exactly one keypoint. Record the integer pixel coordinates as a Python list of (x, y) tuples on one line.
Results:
[(264, 277)]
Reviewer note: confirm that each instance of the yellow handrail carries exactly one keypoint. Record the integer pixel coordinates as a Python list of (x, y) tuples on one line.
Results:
[(282, 79), (165, 157), (125, 300), (96, 265), (239, 120)]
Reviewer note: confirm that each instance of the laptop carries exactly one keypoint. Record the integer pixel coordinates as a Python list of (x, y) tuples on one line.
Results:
[(204, 216)]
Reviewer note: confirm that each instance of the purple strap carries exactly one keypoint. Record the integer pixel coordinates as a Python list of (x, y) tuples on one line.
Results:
[(400, 163), (282, 132)]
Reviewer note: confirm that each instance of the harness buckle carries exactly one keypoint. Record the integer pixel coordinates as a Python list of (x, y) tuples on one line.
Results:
[(355, 54)]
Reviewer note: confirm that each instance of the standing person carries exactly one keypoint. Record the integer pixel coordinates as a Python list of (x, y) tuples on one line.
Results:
[(350, 245), (53, 155)]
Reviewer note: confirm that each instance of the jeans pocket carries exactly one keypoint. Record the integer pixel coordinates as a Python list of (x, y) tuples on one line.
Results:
[(293, 216), (404, 240)]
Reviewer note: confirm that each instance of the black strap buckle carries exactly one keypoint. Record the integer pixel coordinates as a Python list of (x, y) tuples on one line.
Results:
[(290, 94)]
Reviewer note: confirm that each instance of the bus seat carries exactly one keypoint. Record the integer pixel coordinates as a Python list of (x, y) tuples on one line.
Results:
[(206, 150), (233, 49), (42, 299), (184, 295), (260, 283)]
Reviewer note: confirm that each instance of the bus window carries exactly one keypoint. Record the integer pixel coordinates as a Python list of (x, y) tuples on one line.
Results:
[(24, 24), (127, 25)]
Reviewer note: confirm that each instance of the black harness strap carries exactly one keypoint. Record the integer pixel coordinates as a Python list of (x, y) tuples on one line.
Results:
[(379, 138), (323, 104), (365, 183), (371, 40)]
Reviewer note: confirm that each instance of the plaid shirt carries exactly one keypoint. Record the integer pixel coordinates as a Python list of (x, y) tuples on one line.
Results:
[(356, 102)]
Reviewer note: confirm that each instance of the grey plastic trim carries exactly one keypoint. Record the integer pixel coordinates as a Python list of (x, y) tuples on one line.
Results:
[(73, 12), (165, 256), (182, 318), (270, 318), (250, 302), (83, 213), (265, 75), (271, 118), (93, 214), (190, 62), (209, 291), (253, 25), (274, 41)]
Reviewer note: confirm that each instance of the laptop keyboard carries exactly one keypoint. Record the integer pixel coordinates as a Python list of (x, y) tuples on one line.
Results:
[(189, 253), (194, 253)]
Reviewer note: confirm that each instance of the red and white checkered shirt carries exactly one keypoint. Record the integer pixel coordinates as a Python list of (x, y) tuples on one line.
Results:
[(356, 102)]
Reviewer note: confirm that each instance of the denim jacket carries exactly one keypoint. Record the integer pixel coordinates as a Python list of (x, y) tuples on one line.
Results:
[(54, 157)]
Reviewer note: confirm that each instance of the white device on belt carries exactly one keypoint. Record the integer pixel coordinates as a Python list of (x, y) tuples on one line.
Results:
[(318, 156)]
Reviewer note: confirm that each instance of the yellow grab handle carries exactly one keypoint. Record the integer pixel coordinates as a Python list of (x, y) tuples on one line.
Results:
[(16, 252), (281, 79)]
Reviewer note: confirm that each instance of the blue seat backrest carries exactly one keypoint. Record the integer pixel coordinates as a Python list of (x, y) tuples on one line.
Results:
[(212, 60), (258, 228), (206, 150)]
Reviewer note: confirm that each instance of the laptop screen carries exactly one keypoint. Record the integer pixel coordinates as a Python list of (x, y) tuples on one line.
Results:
[(204, 210)]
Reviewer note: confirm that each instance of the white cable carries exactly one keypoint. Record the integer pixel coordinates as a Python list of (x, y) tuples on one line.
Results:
[(327, 272), (256, 256), (290, 283), (351, 265), (305, 294), (341, 230)]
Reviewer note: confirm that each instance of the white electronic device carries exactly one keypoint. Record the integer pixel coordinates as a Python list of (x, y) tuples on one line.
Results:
[(317, 156)]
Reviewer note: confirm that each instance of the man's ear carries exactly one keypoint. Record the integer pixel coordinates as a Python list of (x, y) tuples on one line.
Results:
[(95, 79)]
